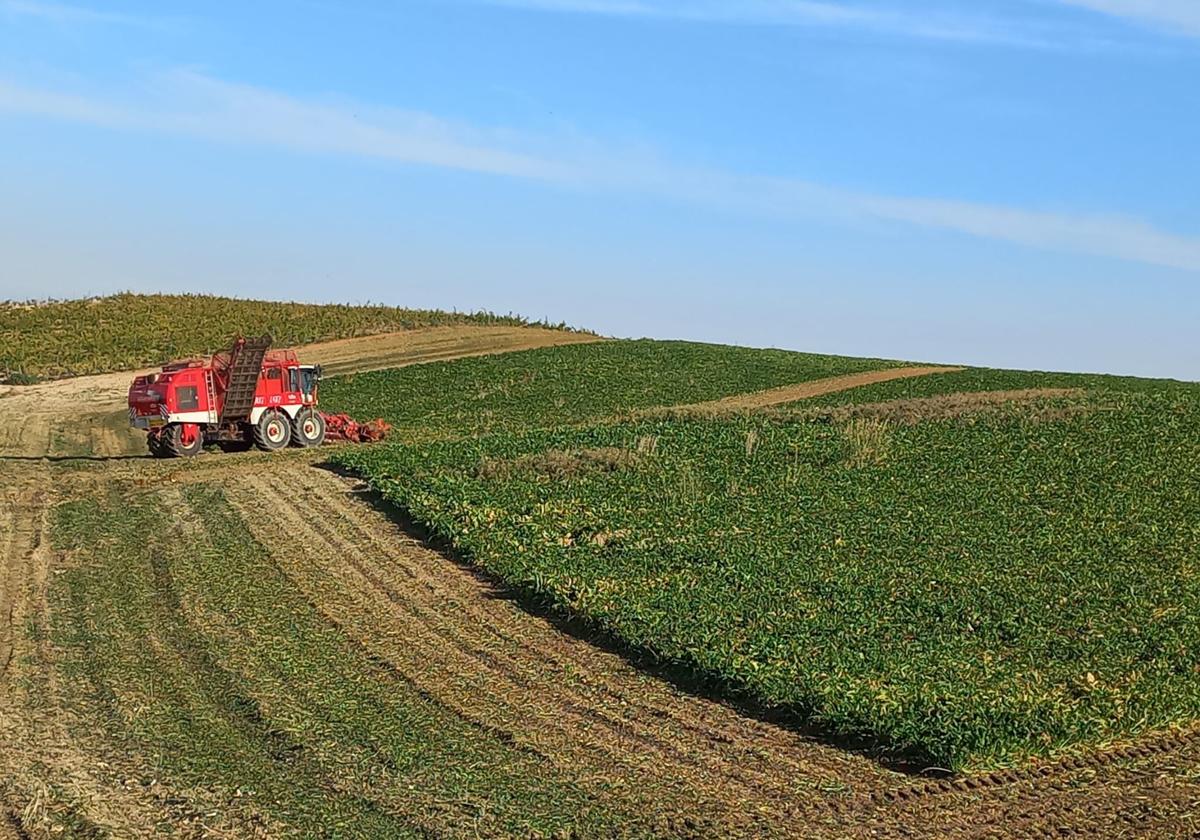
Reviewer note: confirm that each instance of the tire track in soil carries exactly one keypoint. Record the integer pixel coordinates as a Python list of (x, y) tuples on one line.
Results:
[(587, 711), (1076, 793), (1137, 791), (509, 629), (50, 755)]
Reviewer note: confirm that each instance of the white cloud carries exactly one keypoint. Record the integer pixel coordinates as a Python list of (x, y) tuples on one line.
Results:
[(194, 105), (1179, 16)]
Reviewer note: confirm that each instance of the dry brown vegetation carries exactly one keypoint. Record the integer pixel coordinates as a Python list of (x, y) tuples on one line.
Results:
[(1035, 404), (868, 441)]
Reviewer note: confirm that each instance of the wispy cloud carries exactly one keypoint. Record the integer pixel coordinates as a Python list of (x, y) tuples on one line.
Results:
[(1094, 235), (750, 11), (929, 21), (916, 20), (195, 105), (1178, 16), (68, 14)]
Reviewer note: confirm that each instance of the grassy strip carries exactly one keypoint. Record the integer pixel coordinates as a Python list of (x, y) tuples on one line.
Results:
[(967, 592), (95, 335), (208, 661), (989, 379), (570, 384)]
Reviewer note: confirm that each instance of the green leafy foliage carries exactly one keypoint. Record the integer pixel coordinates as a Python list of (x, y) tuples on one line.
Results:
[(569, 384), (968, 592), (72, 337)]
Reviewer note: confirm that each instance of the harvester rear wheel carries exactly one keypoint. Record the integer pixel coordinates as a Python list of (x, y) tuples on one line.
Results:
[(154, 442), (272, 432), (308, 428), (182, 440)]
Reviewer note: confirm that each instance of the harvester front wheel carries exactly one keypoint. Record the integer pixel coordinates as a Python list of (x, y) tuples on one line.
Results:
[(182, 440), (308, 428), (272, 432)]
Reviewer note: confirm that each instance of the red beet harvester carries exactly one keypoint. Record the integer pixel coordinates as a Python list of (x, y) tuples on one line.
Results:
[(249, 394)]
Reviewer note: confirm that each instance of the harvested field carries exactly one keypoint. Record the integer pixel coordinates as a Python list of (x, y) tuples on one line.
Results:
[(634, 744), (58, 774), (283, 654)]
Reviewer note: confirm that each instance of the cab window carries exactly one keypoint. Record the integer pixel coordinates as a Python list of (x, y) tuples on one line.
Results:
[(187, 398)]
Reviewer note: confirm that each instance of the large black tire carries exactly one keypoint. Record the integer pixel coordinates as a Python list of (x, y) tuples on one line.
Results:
[(308, 428), (273, 431), (174, 443), (154, 442)]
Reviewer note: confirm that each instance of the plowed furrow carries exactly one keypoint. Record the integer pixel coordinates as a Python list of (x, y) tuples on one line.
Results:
[(569, 729), (705, 727)]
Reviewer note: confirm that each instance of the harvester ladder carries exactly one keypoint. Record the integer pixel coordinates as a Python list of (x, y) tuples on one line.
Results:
[(210, 396), (245, 366)]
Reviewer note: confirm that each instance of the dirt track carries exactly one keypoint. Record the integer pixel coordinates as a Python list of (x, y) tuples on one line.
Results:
[(472, 649), (805, 390)]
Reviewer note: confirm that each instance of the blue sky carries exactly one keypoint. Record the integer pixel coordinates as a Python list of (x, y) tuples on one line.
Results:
[(1007, 182)]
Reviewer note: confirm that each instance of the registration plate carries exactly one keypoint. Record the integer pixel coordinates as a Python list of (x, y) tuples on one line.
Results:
[(156, 422)]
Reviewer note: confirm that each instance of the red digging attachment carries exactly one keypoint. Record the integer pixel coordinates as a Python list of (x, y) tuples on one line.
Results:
[(344, 427)]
